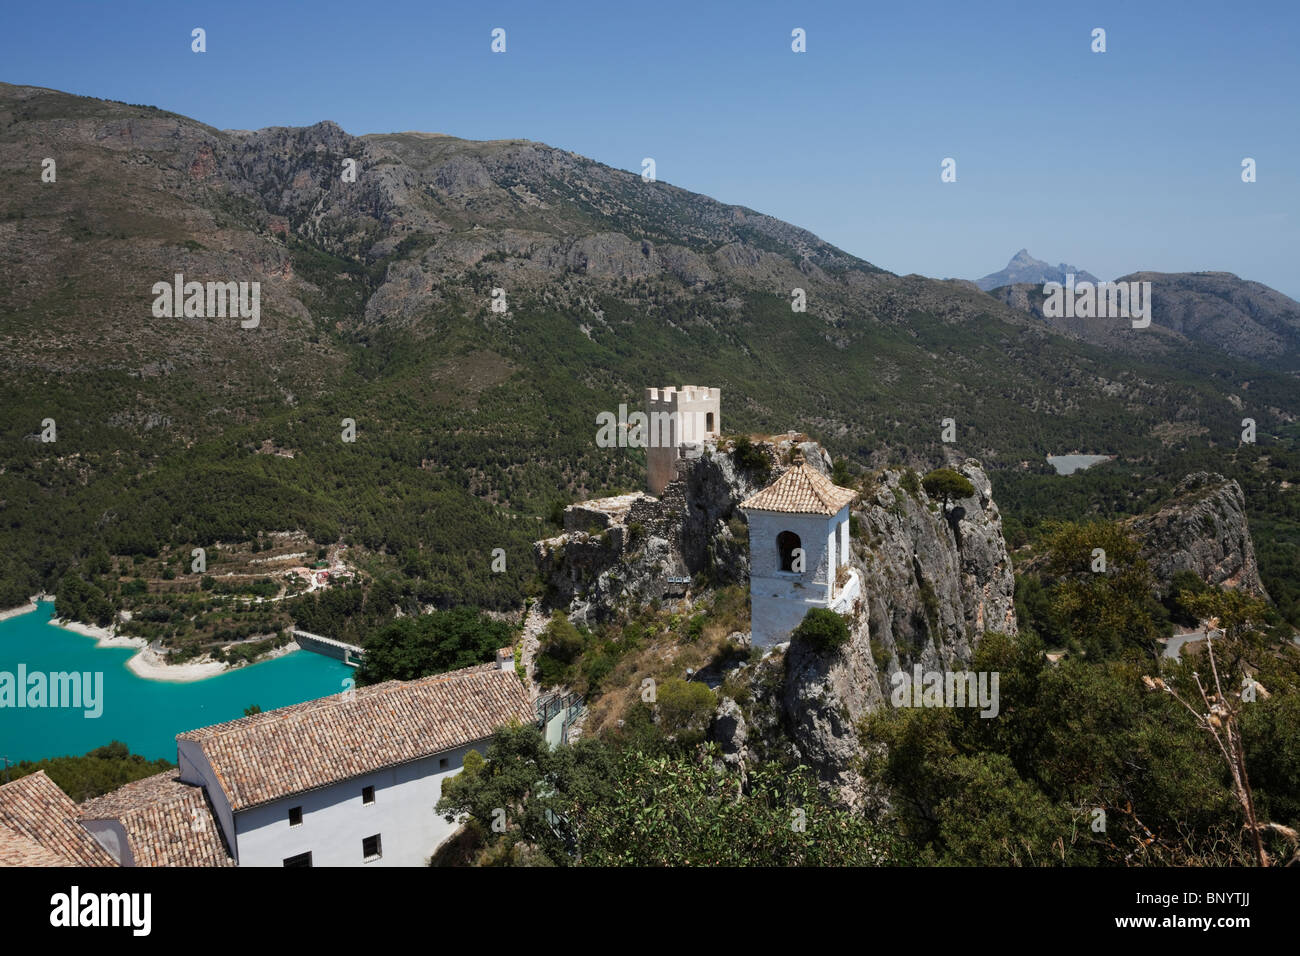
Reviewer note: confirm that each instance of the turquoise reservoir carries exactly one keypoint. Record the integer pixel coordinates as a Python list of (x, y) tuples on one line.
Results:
[(144, 714)]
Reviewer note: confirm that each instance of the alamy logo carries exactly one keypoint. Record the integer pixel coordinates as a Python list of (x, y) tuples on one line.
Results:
[(215, 300), (946, 689), (103, 909), (656, 430), (76, 689), (1100, 300)]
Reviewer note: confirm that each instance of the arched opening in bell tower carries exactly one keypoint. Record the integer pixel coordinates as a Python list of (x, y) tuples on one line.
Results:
[(787, 542)]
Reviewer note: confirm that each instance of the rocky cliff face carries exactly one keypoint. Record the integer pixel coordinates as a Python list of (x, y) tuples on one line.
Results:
[(617, 552), (935, 580), (1202, 530)]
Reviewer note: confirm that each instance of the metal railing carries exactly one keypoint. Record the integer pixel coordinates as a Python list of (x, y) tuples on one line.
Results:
[(570, 706)]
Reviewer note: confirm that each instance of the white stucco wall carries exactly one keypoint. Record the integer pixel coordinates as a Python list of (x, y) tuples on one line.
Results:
[(194, 768), (112, 837), (780, 599), (335, 821)]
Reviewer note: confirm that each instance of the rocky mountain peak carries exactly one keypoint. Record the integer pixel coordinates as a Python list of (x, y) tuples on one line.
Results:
[(1023, 267)]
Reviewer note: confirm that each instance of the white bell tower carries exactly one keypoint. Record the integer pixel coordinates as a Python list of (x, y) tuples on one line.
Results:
[(798, 544)]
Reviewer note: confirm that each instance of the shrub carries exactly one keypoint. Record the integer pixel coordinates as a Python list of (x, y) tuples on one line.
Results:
[(750, 458), (595, 668), (683, 705), (823, 630), (560, 646)]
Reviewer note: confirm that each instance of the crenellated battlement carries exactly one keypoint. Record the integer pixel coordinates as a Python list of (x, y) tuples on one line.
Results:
[(674, 396)]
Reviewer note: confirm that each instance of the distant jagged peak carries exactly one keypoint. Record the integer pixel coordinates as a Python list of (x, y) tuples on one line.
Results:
[(1023, 267)]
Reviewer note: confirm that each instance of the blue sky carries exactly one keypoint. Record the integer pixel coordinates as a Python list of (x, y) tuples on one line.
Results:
[(1116, 161)]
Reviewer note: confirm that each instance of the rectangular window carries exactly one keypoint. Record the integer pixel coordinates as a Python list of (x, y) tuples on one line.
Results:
[(295, 816), (371, 848), (302, 859), (442, 763), (367, 794)]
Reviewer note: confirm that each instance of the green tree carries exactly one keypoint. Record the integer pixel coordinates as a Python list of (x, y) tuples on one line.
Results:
[(749, 457), (1216, 702), (681, 811), (560, 646), (840, 473), (97, 772), (947, 485), (522, 794), (1103, 590), (413, 647), (684, 707)]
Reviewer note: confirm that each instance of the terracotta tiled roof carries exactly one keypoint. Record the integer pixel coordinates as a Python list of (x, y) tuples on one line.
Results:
[(35, 808), (801, 490), (167, 822), (270, 755), (17, 850)]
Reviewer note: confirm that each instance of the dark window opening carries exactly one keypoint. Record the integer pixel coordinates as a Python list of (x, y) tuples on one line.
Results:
[(367, 794), (295, 816), (371, 848), (302, 859), (787, 542)]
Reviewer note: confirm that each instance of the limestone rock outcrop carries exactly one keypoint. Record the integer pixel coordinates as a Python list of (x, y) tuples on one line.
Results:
[(637, 549), (1203, 529), (934, 581)]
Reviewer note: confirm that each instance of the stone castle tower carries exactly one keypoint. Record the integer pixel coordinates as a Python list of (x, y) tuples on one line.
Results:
[(680, 419)]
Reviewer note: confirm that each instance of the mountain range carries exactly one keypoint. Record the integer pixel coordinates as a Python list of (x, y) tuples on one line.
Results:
[(377, 305)]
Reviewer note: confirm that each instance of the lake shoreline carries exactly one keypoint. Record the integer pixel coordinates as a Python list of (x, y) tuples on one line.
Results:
[(27, 608), (146, 662), (17, 611), (149, 664), (145, 711)]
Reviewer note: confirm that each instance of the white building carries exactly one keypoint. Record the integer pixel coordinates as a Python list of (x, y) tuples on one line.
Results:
[(347, 780), (352, 779), (798, 552)]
